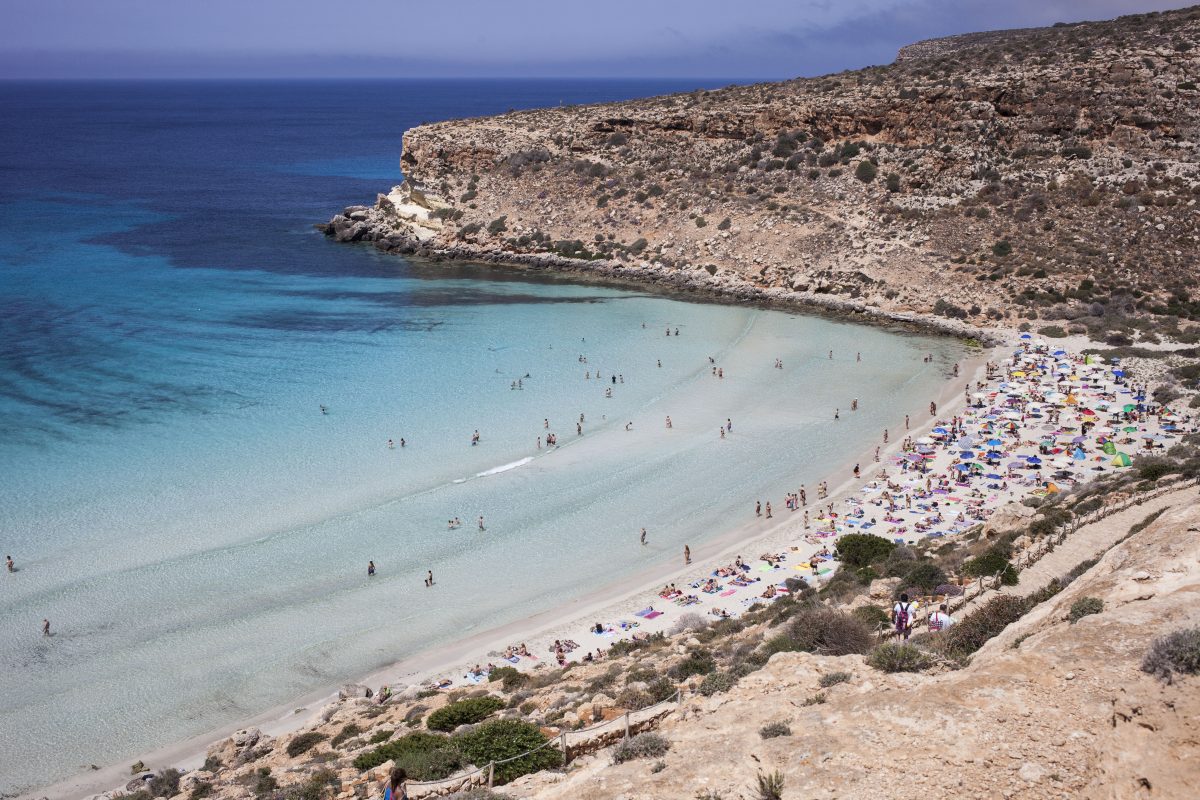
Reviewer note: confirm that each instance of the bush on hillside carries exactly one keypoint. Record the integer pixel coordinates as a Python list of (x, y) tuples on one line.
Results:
[(925, 576), (426, 756), (1085, 607), (899, 562), (872, 616), (897, 657), (833, 679), (865, 171), (697, 662), (503, 739), (716, 683), (347, 732), (862, 549), (1175, 653), (974, 630), (644, 745), (464, 712), (510, 677), (302, 743), (773, 730), (822, 630)]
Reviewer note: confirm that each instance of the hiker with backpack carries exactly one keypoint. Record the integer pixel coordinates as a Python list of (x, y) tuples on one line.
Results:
[(940, 620), (902, 617)]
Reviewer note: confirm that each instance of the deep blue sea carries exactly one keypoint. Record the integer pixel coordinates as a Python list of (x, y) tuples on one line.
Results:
[(197, 530)]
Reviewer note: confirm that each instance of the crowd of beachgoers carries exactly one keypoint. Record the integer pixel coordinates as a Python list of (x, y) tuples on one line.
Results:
[(1036, 421)]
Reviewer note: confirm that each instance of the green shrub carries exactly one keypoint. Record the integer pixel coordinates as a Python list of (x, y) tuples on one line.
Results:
[(505, 738), (926, 575), (264, 783), (974, 630), (865, 171), (773, 730), (871, 616), (380, 736), (862, 549), (697, 662), (816, 700), (464, 712), (1002, 248), (511, 678), (302, 744), (724, 224), (769, 787), (833, 679), (987, 564), (897, 657), (821, 630), (201, 789), (633, 699), (899, 562), (1175, 653), (1084, 607), (422, 754), (716, 682), (166, 783), (348, 732), (644, 745)]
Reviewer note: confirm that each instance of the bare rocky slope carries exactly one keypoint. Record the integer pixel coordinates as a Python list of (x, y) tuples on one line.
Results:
[(1042, 175)]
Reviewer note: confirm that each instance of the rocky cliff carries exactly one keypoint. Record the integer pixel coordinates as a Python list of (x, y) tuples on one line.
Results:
[(1045, 175)]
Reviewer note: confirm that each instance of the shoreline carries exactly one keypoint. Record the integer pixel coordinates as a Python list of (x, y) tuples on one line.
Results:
[(696, 285), (616, 599)]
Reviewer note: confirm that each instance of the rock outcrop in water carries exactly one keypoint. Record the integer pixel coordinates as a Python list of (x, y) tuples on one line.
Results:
[(1045, 175)]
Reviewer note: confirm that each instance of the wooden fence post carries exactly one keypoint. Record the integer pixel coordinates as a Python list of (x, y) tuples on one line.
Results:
[(626, 724), (563, 740), (491, 774)]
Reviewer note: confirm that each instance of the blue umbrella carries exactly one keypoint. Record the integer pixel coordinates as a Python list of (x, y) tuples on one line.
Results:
[(962, 467), (967, 454), (1026, 336), (1034, 460), (994, 443)]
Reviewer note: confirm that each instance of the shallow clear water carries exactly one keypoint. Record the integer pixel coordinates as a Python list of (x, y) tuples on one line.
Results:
[(197, 531)]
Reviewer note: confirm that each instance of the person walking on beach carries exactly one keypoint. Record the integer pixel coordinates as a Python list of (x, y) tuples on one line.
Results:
[(803, 495), (758, 508), (932, 409), (805, 520), (687, 555), (370, 569), (45, 627), (885, 435), (857, 472), (905, 423), (643, 535), (768, 509), (396, 785)]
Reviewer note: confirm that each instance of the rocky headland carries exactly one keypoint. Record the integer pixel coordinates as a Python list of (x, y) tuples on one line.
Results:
[(1042, 177)]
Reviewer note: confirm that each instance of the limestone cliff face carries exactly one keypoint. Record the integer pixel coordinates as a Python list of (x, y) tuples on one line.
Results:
[(1046, 174)]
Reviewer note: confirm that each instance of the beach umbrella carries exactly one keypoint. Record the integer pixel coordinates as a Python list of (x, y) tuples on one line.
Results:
[(994, 443), (1026, 336), (1033, 460), (1122, 460), (993, 476), (1016, 465), (962, 467), (1130, 429), (966, 454), (924, 440), (1128, 407)]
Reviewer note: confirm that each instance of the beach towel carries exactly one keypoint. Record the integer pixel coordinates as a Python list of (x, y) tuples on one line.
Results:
[(644, 612), (727, 593), (653, 614), (513, 659)]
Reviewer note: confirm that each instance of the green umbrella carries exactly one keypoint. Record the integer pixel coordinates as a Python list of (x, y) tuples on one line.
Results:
[(1130, 429), (1129, 407)]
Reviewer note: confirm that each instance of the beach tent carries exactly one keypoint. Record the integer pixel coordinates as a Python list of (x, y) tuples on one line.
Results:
[(1122, 460), (1110, 449)]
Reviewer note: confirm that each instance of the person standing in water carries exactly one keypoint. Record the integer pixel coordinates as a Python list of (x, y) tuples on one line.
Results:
[(8, 562), (643, 535), (429, 578), (687, 555), (45, 627), (370, 569), (481, 528)]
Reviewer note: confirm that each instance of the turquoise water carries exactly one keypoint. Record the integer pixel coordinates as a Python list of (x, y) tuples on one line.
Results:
[(197, 531)]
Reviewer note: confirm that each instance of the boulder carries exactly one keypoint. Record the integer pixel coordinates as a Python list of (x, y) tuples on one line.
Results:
[(188, 781), (883, 588), (353, 690)]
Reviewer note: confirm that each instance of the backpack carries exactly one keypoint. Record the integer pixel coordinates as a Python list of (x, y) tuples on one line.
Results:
[(903, 617), (936, 621)]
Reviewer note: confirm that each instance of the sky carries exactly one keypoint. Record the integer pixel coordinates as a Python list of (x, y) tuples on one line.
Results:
[(764, 39)]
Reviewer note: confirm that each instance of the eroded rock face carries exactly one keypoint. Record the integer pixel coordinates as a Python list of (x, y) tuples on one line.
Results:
[(1048, 169)]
